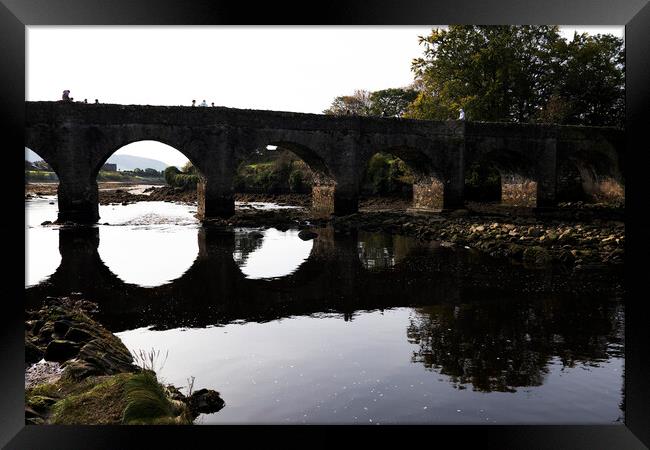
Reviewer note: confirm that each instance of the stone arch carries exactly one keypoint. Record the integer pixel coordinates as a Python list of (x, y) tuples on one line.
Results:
[(311, 147), (191, 150), (582, 175), (42, 141), (308, 148), (48, 160), (517, 173), (309, 156), (428, 166), (587, 159)]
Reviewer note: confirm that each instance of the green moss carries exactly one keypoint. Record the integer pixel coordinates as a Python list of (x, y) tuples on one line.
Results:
[(133, 399), (39, 402), (145, 399), (101, 386), (100, 403), (43, 390)]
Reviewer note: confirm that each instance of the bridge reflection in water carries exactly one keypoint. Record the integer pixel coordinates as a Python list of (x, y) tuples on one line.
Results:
[(478, 320)]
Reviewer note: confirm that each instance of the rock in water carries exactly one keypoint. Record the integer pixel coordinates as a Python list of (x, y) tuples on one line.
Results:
[(306, 235), (205, 401), (255, 235)]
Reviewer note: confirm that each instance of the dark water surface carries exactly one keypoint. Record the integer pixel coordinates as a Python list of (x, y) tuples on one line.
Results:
[(347, 328)]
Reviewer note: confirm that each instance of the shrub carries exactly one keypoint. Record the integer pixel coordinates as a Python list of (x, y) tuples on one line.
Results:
[(170, 174)]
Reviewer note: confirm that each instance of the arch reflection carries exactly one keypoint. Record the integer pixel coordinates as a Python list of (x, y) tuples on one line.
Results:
[(41, 247), (270, 253), (148, 243), (148, 256)]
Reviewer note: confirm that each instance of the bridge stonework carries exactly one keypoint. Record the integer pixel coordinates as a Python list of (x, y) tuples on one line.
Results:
[(76, 139)]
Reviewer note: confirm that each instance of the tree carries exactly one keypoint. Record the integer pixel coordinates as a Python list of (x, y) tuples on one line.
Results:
[(152, 173), (357, 104), (591, 82), (494, 73), (392, 102), (189, 168), (519, 74)]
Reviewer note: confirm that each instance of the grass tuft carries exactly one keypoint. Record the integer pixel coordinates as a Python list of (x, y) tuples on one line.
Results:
[(146, 401)]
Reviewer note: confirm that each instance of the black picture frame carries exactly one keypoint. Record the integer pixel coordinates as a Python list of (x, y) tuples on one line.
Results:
[(15, 15)]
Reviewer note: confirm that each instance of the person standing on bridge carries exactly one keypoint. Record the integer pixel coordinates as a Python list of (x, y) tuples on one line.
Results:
[(66, 96), (193, 102), (204, 104)]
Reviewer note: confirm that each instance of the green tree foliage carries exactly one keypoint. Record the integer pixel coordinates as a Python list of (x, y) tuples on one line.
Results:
[(392, 102), (189, 168), (152, 173), (282, 173), (519, 74), (591, 82), (170, 174), (188, 178), (388, 175)]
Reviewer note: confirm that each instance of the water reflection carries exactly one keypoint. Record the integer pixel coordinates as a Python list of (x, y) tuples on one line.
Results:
[(269, 253), (148, 256), (41, 244), (358, 327), (503, 345), (382, 251)]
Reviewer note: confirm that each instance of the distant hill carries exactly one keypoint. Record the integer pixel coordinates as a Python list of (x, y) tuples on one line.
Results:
[(129, 162), (124, 162)]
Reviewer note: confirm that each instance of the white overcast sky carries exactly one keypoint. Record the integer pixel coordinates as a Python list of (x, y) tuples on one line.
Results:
[(278, 68)]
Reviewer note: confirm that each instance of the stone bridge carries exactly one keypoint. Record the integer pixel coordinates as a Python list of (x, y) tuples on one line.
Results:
[(76, 139)]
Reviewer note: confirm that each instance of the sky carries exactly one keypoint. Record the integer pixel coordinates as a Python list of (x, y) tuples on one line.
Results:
[(299, 69)]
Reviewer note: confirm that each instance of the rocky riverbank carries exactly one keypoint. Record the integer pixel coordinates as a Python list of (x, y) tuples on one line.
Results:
[(77, 372), (533, 241)]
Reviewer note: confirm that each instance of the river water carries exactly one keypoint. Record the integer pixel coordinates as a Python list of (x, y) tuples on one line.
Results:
[(362, 328)]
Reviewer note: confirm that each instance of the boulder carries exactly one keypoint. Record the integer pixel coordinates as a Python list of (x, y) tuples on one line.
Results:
[(537, 255), (61, 327), (61, 350), (205, 401), (33, 353), (78, 335), (307, 235)]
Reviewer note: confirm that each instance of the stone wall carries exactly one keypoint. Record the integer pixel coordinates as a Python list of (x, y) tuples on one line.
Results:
[(428, 194), (323, 199)]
